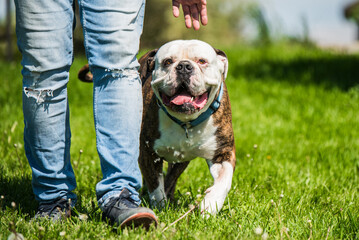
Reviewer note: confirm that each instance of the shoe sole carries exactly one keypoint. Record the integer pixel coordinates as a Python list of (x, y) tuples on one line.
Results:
[(139, 220)]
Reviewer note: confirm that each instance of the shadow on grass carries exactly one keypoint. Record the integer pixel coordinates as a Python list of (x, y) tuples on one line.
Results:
[(334, 70), (17, 189)]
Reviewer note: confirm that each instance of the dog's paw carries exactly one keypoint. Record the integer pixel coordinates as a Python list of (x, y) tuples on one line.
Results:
[(209, 207), (161, 204), (158, 198), (212, 202), (208, 190)]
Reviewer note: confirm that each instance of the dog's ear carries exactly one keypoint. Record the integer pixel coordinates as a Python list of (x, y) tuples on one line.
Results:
[(223, 58), (84, 74), (147, 64)]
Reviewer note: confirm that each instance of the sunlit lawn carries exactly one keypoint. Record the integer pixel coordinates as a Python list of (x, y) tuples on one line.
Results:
[(296, 121)]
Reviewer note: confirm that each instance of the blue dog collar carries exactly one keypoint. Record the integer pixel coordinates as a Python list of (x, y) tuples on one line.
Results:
[(201, 118)]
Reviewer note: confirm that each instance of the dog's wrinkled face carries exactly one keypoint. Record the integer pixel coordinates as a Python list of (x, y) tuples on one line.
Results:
[(187, 76)]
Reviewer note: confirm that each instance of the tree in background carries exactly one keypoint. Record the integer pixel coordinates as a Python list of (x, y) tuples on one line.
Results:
[(9, 51), (351, 12), (7, 32)]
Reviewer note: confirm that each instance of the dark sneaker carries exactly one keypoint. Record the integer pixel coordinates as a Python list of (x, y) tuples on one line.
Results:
[(57, 210), (124, 212)]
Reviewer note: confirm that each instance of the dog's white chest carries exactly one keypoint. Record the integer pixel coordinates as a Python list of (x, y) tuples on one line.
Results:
[(174, 146)]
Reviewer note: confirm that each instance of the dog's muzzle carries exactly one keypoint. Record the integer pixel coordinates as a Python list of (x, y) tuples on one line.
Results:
[(183, 100)]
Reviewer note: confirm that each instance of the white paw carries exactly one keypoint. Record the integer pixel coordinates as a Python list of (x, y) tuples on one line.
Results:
[(209, 207), (212, 202)]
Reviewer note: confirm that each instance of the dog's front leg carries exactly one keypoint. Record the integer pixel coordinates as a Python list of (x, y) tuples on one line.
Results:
[(173, 172), (151, 167), (222, 174)]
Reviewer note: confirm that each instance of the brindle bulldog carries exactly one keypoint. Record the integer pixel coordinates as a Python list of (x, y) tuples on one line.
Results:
[(186, 114)]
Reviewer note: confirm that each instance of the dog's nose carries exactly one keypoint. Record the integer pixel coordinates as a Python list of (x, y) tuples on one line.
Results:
[(184, 67)]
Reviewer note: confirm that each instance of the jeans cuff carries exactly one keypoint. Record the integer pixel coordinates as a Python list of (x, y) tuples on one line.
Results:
[(71, 196)]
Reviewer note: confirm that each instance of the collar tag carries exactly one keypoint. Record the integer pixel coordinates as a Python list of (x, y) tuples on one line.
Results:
[(184, 126)]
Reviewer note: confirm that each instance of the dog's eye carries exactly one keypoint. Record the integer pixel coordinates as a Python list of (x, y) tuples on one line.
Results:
[(202, 61), (167, 62)]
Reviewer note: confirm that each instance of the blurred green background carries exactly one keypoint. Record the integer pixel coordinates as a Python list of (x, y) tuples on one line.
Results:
[(159, 27), (231, 23)]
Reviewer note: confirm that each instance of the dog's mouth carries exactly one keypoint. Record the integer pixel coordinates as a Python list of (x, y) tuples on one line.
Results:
[(184, 102)]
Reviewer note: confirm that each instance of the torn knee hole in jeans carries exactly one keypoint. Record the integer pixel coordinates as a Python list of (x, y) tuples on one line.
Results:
[(119, 73), (39, 95)]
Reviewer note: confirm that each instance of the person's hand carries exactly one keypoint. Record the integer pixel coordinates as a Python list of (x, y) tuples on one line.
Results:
[(193, 10)]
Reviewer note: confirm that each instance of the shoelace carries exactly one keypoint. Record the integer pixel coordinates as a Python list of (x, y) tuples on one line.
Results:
[(124, 199), (50, 208)]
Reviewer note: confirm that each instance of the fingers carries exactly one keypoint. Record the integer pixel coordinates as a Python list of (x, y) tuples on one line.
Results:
[(175, 8), (195, 17), (187, 16), (193, 11), (204, 18)]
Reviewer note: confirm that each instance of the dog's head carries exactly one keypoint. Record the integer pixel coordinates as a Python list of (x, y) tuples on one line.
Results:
[(186, 76)]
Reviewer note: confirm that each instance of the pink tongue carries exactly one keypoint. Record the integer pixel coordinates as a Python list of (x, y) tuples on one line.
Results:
[(181, 98), (201, 101), (185, 97)]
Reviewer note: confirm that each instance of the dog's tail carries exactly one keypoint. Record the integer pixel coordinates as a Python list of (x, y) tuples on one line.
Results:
[(85, 75)]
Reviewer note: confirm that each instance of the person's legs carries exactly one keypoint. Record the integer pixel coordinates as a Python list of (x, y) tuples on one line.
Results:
[(112, 31), (44, 32)]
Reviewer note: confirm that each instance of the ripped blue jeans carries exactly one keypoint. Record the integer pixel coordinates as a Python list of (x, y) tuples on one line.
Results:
[(112, 29)]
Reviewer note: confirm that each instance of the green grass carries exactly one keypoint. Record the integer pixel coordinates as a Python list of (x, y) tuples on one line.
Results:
[(299, 106)]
